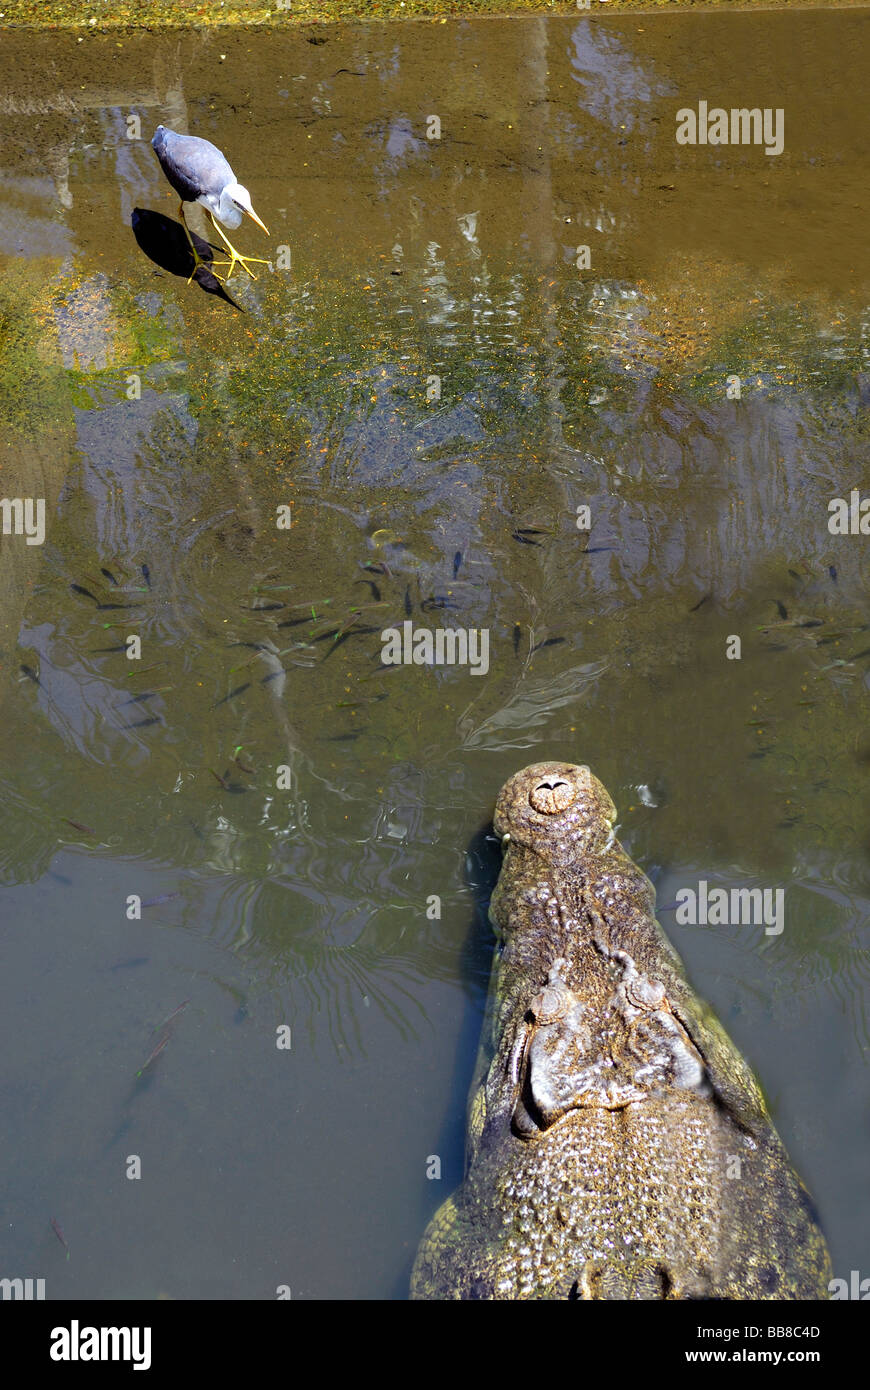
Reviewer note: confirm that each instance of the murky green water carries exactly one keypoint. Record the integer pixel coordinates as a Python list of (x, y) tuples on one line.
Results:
[(434, 388)]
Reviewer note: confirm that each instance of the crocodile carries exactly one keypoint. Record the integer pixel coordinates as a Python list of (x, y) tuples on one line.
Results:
[(619, 1146)]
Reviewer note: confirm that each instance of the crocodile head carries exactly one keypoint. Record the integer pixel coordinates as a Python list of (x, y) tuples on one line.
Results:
[(610, 1111), (583, 1017), (559, 811)]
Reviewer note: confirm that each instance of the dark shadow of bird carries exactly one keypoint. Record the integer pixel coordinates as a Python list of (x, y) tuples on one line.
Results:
[(165, 242)]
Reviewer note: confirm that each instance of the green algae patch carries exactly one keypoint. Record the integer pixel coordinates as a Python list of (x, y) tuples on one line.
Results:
[(107, 339), (36, 431), (142, 14), (32, 379), (715, 329)]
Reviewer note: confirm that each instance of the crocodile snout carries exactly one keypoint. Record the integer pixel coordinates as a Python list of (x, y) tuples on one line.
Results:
[(552, 795)]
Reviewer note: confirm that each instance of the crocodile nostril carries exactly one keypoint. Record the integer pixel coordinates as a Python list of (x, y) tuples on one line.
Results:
[(551, 796)]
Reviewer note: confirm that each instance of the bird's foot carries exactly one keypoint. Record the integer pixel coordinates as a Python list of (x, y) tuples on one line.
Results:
[(244, 262)]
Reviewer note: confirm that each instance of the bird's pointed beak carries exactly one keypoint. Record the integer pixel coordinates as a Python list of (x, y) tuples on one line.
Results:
[(251, 213)]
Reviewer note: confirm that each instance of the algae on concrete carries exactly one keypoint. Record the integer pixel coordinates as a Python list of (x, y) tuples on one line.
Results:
[(119, 14)]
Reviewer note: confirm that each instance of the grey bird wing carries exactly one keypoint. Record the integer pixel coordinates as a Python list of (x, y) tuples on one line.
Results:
[(193, 166)]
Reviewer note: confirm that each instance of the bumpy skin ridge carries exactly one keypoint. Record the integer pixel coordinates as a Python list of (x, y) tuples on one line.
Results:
[(618, 1143)]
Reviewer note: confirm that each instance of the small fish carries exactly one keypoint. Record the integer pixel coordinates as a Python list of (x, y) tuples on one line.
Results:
[(858, 655), (312, 604), (143, 723), (273, 676), (701, 601), (295, 622), (116, 607), (596, 549), (761, 752), (262, 607), (339, 633), (152, 1057), (239, 690), (107, 574), (376, 593), (409, 607), (781, 609), (549, 642), (131, 963), (345, 635), (344, 738), (832, 571), (382, 670), (175, 1012), (832, 637), (59, 1233), (100, 650), (437, 601), (363, 700), (349, 622), (523, 540), (811, 622), (161, 898), (378, 567), (146, 575), (86, 593), (165, 1032), (240, 665), (146, 695), (531, 531), (77, 825), (799, 577), (29, 672), (457, 561), (518, 632), (146, 670)]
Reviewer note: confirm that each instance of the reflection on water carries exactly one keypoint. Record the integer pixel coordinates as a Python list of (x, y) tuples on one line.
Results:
[(467, 428)]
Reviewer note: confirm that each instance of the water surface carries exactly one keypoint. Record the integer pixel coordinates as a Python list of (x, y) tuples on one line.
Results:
[(434, 388)]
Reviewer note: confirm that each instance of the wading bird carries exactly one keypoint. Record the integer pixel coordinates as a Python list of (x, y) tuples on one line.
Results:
[(199, 173)]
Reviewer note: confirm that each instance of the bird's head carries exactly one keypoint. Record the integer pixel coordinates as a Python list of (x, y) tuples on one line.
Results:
[(236, 194)]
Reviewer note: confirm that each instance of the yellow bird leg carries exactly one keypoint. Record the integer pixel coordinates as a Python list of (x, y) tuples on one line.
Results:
[(242, 260), (197, 258)]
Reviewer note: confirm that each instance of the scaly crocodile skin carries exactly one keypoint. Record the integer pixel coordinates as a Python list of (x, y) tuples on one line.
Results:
[(618, 1144)]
